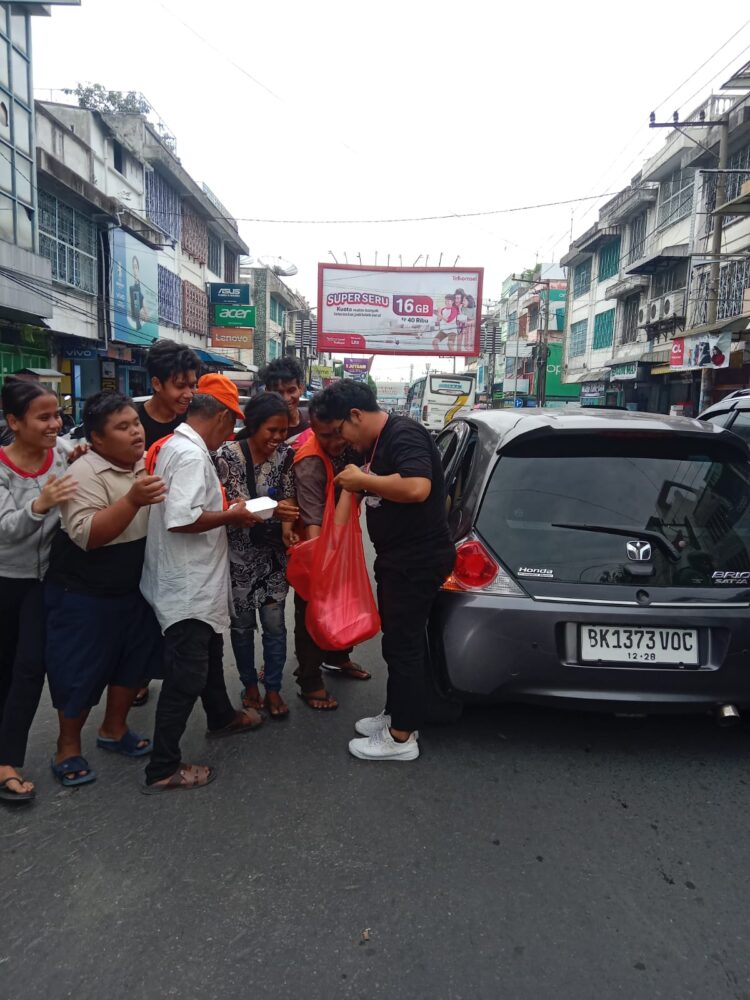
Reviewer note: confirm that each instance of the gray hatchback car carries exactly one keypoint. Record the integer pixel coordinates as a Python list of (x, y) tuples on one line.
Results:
[(603, 561)]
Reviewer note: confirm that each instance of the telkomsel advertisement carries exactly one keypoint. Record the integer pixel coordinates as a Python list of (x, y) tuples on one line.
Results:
[(399, 310), (135, 290)]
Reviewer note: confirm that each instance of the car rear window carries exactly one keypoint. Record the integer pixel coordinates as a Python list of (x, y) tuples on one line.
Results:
[(588, 509)]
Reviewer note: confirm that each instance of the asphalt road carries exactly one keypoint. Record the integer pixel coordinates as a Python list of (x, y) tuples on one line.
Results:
[(527, 854)]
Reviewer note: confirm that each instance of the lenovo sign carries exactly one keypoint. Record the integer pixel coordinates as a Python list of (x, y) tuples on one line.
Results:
[(229, 295), (243, 316), (242, 339)]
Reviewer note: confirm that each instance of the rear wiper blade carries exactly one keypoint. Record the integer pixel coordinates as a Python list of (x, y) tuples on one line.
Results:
[(649, 536)]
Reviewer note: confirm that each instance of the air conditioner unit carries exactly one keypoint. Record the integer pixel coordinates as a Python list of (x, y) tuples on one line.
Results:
[(673, 305), (643, 319), (654, 310)]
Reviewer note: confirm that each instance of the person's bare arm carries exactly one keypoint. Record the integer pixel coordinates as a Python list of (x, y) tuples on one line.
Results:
[(399, 489), (110, 522), (237, 514)]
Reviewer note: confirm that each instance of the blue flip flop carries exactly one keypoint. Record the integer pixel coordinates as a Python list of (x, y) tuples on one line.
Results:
[(127, 746), (72, 765)]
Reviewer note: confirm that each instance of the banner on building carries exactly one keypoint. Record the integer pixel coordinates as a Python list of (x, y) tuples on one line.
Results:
[(705, 350), (320, 376), (134, 298), (399, 310), (232, 337), (228, 295), (234, 316), (357, 368)]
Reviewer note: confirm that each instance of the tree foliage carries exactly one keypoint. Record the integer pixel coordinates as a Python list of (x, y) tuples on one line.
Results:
[(95, 97)]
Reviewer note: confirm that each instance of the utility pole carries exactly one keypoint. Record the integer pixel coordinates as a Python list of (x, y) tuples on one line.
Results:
[(714, 278), (541, 361)]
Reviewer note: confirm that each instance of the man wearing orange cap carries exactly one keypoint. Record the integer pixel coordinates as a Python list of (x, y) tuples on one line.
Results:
[(186, 581)]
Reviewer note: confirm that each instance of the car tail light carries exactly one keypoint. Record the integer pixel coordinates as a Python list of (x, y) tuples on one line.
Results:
[(425, 411), (476, 570)]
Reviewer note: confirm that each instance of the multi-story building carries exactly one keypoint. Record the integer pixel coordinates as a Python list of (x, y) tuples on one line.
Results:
[(277, 311), (638, 291), (25, 275), (132, 241)]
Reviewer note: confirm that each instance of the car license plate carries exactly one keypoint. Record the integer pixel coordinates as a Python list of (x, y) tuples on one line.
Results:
[(658, 646)]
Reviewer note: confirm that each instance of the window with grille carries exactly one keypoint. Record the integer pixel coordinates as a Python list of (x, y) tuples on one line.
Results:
[(582, 278), (163, 205), (274, 310), (194, 309), (637, 238), (630, 319), (170, 298), (214, 254), (67, 238), (230, 265), (604, 329), (675, 197), (609, 260), (194, 234), (577, 339)]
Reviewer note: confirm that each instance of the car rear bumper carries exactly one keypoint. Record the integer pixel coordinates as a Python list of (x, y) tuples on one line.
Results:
[(517, 649)]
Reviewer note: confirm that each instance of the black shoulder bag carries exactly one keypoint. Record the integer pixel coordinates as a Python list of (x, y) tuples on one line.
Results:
[(267, 532)]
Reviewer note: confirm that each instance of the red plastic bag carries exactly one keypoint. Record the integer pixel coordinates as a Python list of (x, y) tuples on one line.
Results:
[(300, 558), (341, 610)]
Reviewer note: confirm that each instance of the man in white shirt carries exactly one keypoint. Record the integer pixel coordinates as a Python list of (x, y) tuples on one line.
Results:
[(186, 581)]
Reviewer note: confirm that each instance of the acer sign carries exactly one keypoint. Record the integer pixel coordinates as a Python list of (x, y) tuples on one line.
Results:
[(241, 316)]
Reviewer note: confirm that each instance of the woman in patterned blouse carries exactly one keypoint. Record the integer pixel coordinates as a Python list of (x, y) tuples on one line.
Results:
[(260, 464)]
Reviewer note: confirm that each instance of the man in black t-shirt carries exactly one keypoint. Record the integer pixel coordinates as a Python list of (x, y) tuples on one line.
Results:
[(405, 503), (173, 372), (285, 376)]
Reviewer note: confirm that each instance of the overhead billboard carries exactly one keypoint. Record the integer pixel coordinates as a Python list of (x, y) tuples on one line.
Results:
[(399, 310), (134, 309), (708, 350)]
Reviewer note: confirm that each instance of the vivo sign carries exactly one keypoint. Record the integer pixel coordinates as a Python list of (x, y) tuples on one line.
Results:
[(234, 295)]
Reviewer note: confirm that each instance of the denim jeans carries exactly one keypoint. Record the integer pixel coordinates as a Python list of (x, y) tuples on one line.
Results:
[(273, 635)]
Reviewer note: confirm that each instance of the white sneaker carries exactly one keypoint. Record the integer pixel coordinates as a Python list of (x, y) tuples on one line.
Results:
[(373, 724), (382, 746)]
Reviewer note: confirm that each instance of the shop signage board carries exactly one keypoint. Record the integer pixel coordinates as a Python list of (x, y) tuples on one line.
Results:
[(241, 316), (239, 338), (554, 385), (75, 353), (624, 372), (705, 350), (228, 295), (357, 368), (593, 388), (399, 310)]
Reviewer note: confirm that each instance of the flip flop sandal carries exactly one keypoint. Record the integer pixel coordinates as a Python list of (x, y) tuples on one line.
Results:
[(326, 704), (256, 704), (141, 699), (237, 727), (127, 746), (177, 782), (72, 765), (351, 670), (7, 796), (277, 716)]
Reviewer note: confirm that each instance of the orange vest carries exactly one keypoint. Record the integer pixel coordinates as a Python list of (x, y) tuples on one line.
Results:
[(153, 453), (312, 448)]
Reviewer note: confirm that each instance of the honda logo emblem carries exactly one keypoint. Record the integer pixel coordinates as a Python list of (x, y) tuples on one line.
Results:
[(639, 551)]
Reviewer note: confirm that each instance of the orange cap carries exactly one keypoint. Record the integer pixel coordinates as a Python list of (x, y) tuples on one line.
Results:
[(223, 389)]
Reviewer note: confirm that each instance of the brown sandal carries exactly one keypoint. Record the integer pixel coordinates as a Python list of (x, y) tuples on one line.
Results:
[(277, 708), (244, 722), (185, 779), (321, 703), (351, 670), (255, 703)]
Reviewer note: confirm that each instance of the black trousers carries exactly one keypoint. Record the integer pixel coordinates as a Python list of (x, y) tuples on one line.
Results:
[(21, 664), (193, 668), (309, 655), (406, 594)]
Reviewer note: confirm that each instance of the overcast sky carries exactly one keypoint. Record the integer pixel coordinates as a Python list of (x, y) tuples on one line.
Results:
[(409, 108)]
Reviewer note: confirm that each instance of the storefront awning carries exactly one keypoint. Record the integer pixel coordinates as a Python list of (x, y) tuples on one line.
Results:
[(221, 361), (598, 375)]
